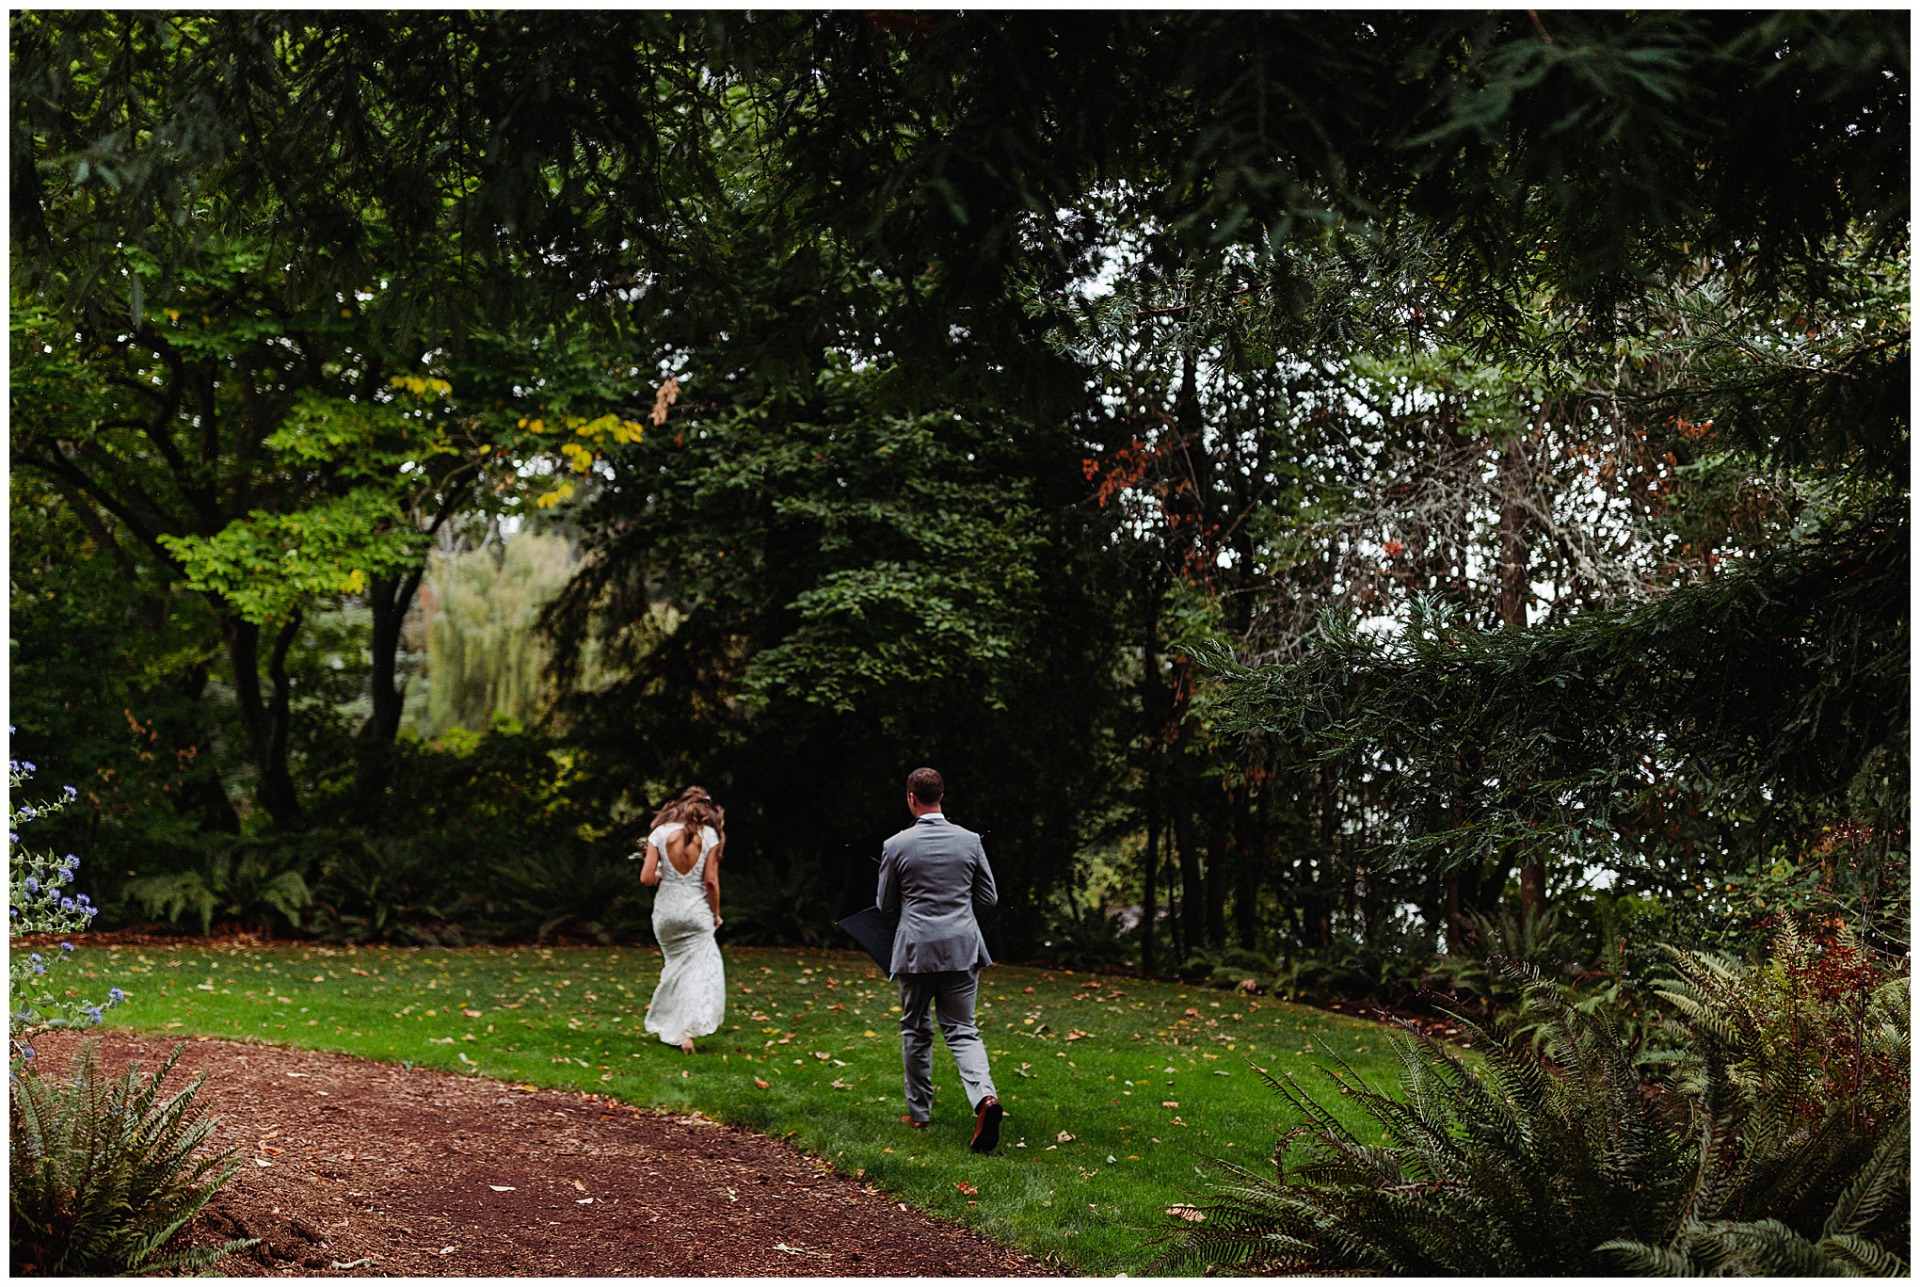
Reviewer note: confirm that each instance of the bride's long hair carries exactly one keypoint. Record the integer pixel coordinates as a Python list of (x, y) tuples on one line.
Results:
[(696, 809)]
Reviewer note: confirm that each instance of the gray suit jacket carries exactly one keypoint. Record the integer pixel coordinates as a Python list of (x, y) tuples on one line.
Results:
[(932, 874)]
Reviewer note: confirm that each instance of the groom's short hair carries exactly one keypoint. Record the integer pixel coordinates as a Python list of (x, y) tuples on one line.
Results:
[(927, 786)]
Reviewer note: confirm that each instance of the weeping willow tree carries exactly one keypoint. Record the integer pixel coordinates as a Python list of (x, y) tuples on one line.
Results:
[(484, 656)]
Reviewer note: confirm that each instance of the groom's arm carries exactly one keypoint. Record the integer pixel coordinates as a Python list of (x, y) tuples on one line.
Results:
[(887, 897), (984, 893)]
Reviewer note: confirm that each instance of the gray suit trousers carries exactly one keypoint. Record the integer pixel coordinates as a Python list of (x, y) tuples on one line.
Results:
[(950, 995)]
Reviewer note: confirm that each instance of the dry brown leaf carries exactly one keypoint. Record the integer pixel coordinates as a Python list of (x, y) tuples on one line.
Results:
[(665, 396)]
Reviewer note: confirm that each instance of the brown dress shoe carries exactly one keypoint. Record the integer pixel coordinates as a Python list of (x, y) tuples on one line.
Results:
[(986, 1126), (914, 1122)]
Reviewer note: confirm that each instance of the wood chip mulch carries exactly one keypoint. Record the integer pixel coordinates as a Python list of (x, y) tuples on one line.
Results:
[(351, 1168)]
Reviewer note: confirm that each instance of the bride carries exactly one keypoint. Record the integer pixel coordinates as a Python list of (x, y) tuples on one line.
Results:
[(683, 859)]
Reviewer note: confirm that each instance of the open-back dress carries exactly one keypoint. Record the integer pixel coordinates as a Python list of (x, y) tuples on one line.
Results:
[(691, 1000)]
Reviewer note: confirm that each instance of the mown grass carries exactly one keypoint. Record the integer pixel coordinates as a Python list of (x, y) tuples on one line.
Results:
[(1148, 1079)]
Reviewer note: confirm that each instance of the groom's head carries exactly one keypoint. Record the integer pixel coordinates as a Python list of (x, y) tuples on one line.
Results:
[(924, 789)]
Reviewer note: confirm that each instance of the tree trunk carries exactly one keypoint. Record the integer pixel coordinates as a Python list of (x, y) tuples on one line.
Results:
[(1193, 897), (1220, 869), (1151, 707), (1515, 590), (1253, 848), (390, 599), (264, 715)]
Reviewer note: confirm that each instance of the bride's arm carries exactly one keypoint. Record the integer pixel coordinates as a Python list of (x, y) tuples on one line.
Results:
[(650, 869), (712, 882)]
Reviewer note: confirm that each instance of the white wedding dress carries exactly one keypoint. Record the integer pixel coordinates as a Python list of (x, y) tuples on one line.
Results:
[(691, 1000)]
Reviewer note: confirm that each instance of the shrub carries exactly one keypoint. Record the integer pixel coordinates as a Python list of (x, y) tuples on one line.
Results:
[(104, 1173), (252, 882), (1776, 1143), (37, 903), (572, 890), (384, 890)]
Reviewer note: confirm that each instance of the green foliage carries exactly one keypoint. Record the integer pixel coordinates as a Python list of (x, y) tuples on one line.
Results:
[(267, 565), (386, 890), (104, 1174), (483, 657), (249, 882), (1778, 1143), (570, 891), (1776, 691)]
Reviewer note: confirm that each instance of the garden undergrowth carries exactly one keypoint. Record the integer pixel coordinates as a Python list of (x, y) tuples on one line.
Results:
[(1116, 1089)]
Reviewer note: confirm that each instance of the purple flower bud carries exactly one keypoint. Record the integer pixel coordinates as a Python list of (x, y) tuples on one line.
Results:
[(71, 793), (116, 996), (27, 765), (66, 947), (33, 886)]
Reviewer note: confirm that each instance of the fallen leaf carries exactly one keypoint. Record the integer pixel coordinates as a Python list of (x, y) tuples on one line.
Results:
[(1074, 1034), (471, 1014), (1169, 1103), (581, 1202), (965, 1188), (268, 1148), (1063, 1138), (763, 1085), (440, 1041), (362, 973), (501, 1188), (261, 1161), (293, 1074), (822, 1055), (446, 1251), (797, 1251)]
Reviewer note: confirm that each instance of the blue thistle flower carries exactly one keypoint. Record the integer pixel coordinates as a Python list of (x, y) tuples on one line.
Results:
[(33, 886), (71, 792), (27, 765), (115, 996), (66, 947)]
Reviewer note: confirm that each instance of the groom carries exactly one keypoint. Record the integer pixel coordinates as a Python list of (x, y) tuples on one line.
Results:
[(932, 874)]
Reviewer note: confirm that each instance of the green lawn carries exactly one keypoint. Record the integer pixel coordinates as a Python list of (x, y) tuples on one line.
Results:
[(1114, 1093)]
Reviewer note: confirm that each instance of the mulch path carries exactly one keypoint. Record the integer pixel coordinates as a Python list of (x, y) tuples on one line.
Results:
[(354, 1168)]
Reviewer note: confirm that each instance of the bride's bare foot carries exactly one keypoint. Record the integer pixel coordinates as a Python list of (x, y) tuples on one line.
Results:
[(686, 1045)]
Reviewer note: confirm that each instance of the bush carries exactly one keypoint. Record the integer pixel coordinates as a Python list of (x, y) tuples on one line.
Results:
[(256, 883), (384, 890), (104, 1173), (1777, 1142), (38, 903)]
